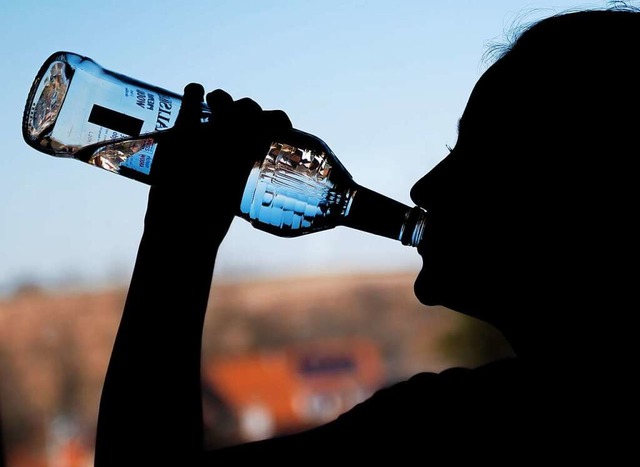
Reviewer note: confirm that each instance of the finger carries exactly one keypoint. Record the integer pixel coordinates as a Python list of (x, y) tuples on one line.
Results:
[(246, 105), (194, 91), (246, 112), (191, 107), (276, 120), (219, 102)]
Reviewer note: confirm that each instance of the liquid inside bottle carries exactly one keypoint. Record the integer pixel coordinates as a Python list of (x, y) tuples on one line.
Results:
[(77, 109)]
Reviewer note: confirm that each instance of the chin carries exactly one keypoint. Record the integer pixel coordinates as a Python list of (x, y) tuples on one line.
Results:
[(430, 291), (424, 290)]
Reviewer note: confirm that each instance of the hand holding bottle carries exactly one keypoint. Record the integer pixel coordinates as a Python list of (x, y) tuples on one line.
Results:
[(201, 167)]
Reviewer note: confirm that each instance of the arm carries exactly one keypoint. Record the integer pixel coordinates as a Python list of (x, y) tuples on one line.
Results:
[(150, 410)]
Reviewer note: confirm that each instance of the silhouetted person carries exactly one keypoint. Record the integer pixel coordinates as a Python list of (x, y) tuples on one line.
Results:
[(531, 228)]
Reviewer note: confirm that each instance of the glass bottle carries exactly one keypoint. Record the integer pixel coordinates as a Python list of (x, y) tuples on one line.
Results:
[(77, 109)]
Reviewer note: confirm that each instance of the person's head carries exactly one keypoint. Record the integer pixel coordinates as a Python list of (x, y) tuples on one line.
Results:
[(529, 215)]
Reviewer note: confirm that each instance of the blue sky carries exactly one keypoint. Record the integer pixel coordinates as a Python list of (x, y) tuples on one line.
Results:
[(383, 83)]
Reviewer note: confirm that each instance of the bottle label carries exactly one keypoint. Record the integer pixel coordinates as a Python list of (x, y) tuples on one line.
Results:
[(140, 161)]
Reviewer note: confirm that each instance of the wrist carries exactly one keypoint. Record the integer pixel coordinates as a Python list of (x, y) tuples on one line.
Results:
[(183, 211)]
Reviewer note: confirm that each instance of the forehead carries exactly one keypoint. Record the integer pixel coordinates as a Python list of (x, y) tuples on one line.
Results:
[(493, 101)]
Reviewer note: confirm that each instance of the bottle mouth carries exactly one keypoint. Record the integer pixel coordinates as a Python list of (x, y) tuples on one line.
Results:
[(413, 227)]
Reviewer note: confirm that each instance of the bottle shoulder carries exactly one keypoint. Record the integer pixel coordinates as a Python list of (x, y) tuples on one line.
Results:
[(303, 140)]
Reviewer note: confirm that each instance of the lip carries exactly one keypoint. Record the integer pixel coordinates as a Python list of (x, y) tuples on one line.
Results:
[(421, 248)]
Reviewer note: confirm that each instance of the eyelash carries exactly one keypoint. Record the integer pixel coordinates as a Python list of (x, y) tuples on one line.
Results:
[(448, 147)]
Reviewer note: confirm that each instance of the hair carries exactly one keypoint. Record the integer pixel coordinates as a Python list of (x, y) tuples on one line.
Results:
[(520, 26)]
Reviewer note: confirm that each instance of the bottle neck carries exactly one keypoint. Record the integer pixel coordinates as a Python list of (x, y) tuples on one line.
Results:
[(375, 213)]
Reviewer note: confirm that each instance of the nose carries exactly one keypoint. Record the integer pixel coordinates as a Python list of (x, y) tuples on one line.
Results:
[(418, 191), (424, 190)]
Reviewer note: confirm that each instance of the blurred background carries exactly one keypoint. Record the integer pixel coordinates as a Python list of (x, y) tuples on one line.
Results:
[(304, 328)]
